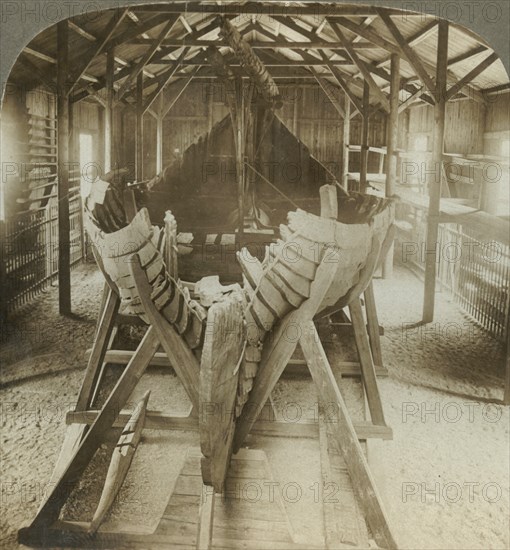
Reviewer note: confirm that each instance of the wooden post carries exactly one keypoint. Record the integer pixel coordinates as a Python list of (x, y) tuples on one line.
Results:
[(391, 145), (435, 183), (159, 144), (139, 127), (346, 141), (240, 146), (364, 139), (108, 112), (64, 245)]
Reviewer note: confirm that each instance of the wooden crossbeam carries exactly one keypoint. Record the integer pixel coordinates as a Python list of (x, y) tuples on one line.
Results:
[(255, 8), (49, 59), (327, 89), (184, 85), (156, 420), (85, 59), (343, 84), (163, 80), (132, 33), (366, 33), (411, 99), (268, 62), (160, 55), (146, 57), (466, 55), (361, 66), (44, 77), (411, 56), (278, 42), (487, 62), (417, 37)]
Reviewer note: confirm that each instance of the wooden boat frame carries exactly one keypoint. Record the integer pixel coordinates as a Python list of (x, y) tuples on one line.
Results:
[(89, 428)]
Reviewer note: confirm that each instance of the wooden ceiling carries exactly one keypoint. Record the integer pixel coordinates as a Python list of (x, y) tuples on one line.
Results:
[(339, 46)]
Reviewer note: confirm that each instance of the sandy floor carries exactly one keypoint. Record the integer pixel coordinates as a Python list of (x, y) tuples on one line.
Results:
[(444, 477)]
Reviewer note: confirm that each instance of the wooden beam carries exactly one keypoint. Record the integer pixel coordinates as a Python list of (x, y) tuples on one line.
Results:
[(50, 510), (135, 32), (368, 34), (277, 42), (255, 8), (392, 127), (364, 139), (435, 185), (345, 87), (84, 59), (159, 144), (466, 55), (391, 146), (44, 77), (146, 58), (139, 128), (487, 62), (64, 244), (327, 89), (376, 90), (163, 80), (346, 133), (345, 438), (406, 50), (414, 39), (108, 112), (410, 100), (184, 85), (156, 420)]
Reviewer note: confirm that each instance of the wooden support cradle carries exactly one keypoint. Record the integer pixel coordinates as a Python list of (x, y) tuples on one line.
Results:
[(250, 366)]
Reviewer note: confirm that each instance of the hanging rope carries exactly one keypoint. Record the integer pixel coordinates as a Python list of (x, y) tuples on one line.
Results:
[(269, 183)]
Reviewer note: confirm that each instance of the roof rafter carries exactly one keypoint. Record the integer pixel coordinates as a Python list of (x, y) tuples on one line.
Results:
[(146, 57), (471, 75), (383, 100), (163, 80), (95, 49), (410, 55)]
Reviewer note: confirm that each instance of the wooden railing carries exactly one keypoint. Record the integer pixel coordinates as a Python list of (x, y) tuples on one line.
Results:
[(29, 252), (473, 267)]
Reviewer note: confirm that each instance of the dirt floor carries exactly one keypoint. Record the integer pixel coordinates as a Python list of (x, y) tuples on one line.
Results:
[(444, 476)]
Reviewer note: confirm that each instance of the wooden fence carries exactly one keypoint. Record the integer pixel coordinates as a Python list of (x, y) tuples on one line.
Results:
[(29, 251), (474, 269)]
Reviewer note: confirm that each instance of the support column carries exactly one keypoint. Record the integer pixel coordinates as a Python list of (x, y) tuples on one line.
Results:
[(346, 141), (159, 144), (139, 127), (108, 112), (391, 145), (64, 245), (364, 139), (435, 183), (240, 149)]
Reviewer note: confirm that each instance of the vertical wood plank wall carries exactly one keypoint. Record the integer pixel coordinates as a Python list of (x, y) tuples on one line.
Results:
[(317, 125)]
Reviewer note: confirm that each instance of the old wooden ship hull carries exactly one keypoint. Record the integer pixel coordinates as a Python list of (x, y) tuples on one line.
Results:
[(227, 333)]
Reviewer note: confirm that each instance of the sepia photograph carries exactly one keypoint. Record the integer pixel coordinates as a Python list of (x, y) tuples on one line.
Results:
[(255, 274)]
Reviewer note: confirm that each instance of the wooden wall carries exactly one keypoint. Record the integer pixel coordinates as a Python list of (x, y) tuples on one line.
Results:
[(497, 127), (464, 126), (306, 111)]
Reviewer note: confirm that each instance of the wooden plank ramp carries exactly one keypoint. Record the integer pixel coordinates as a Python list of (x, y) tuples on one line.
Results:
[(240, 519)]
